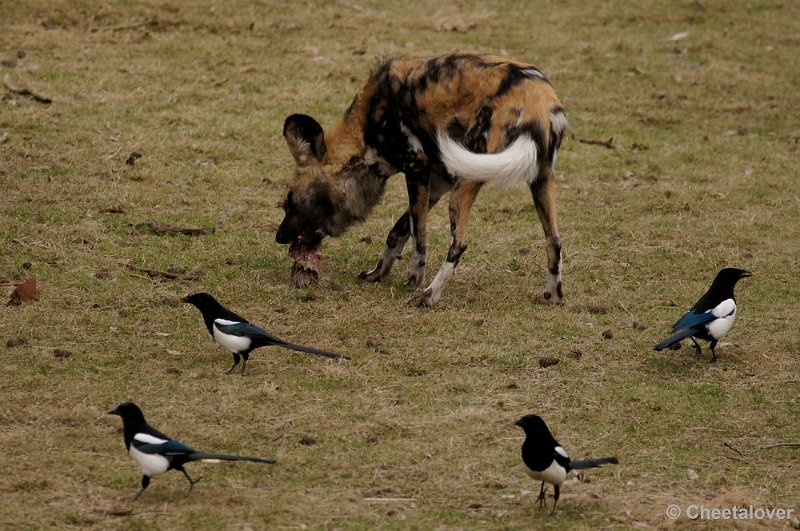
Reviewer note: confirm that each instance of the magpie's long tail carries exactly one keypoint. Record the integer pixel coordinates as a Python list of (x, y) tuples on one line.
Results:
[(593, 463), (316, 352), (674, 338), (203, 456)]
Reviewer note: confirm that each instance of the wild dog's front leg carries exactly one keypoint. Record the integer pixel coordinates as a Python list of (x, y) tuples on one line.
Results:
[(418, 195), (395, 243), (543, 191), (461, 200)]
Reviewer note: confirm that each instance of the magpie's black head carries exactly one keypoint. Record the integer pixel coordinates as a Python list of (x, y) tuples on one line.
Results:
[(129, 412), (730, 276), (201, 301), (533, 424)]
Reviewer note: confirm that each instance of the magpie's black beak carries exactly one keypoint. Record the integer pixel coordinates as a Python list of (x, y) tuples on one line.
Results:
[(745, 273), (519, 423), (114, 411), (185, 299)]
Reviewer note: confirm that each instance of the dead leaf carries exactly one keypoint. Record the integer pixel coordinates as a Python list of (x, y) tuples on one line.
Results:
[(27, 291)]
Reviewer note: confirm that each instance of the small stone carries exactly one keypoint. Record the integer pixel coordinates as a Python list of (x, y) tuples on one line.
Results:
[(133, 158), (61, 353), (691, 474), (16, 342), (608, 334), (377, 345), (547, 362), (575, 353)]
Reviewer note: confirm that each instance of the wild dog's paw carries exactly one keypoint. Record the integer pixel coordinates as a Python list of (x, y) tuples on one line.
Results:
[(423, 300), (373, 275), (553, 297), (414, 281)]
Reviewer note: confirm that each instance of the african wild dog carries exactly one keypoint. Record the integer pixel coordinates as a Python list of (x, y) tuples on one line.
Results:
[(449, 123)]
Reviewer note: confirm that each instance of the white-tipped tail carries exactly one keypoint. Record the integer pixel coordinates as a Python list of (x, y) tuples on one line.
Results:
[(515, 165)]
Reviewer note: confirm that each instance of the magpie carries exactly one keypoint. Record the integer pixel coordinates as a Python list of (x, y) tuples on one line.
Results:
[(546, 461), (156, 453), (712, 316), (240, 336)]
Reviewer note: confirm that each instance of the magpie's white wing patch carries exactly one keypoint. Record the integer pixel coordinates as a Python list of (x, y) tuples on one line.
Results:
[(725, 313), (148, 439), (724, 309), (560, 451)]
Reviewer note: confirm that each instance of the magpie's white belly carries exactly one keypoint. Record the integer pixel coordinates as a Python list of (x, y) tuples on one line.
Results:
[(232, 343), (152, 464), (555, 474)]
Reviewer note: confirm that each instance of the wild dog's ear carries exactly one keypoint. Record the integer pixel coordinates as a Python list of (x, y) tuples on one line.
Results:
[(305, 138)]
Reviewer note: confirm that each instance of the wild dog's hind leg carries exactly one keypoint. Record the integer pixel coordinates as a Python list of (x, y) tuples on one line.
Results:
[(461, 200), (418, 195), (544, 199)]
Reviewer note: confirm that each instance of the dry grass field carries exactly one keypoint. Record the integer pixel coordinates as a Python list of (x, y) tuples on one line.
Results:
[(701, 100)]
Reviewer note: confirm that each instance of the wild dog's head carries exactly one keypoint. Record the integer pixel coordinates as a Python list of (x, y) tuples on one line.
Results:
[(334, 184), (309, 206)]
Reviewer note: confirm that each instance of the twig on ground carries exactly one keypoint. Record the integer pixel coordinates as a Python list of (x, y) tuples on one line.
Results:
[(24, 91), (166, 274), (605, 143), (114, 512), (626, 310), (726, 445), (162, 228), (778, 445), (126, 26), (768, 447)]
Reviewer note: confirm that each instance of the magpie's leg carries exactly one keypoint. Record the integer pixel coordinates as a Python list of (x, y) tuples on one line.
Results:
[(145, 483), (191, 481), (541, 499), (235, 362), (697, 348), (245, 357), (713, 354), (555, 498)]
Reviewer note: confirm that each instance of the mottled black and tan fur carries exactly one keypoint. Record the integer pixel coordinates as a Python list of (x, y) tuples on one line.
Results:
[(449, 123)]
